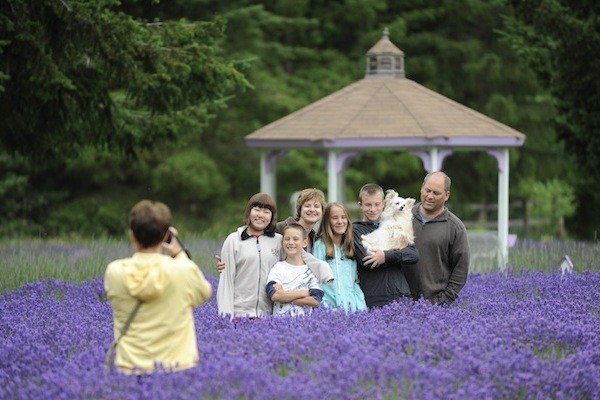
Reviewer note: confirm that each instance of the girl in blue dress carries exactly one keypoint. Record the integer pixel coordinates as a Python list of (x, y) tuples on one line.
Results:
[(336, 246)]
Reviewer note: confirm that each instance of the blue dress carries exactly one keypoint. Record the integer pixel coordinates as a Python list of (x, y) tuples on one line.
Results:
[(344, 292)]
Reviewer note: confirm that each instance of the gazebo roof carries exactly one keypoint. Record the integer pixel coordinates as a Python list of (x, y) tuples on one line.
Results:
[(387, 111), (381, 113)]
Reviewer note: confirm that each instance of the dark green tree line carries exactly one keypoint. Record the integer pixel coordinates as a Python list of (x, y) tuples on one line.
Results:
[(181, 83), (80, 75), (560, 41)]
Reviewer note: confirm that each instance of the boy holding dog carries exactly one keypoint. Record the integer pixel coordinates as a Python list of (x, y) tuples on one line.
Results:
[(381, 273)]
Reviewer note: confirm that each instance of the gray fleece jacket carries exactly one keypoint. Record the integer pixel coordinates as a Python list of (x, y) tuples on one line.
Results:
[(442, 270)]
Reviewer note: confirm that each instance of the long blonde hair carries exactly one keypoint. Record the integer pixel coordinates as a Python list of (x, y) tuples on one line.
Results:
[(326, 233)]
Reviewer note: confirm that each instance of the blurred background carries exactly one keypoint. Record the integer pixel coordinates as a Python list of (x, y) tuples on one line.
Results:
[(104, 103)]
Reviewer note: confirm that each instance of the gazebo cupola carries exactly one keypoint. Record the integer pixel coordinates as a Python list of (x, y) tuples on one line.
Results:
[(385, 60)]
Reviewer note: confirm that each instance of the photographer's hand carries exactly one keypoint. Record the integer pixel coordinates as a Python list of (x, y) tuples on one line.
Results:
[(173, 246)]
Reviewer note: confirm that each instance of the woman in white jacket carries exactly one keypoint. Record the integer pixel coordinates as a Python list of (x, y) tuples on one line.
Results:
[(249, 254)]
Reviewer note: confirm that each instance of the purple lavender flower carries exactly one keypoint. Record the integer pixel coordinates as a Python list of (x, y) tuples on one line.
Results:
[(532, 335)]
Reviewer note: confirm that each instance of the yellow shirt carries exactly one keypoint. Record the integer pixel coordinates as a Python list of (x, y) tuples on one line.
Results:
[(162, 331)]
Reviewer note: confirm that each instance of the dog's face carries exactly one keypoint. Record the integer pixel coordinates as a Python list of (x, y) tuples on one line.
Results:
[(395, 205)]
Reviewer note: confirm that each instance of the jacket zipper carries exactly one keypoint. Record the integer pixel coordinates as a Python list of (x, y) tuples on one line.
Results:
[(259, 275), (337, 270)]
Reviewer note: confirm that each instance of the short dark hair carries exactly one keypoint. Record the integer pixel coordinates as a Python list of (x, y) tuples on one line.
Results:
[(262, 200), (149, 221), (370, 189), (297, 226), (307, 195)]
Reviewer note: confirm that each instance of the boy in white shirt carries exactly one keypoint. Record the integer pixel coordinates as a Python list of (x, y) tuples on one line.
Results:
[(291, 284)]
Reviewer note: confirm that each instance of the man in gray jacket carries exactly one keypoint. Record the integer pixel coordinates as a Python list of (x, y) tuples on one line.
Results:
[(441, 238)]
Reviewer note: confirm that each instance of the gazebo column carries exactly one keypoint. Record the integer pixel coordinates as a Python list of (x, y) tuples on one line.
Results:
[(502, 157), (268, 169), (337, 163), (344, 159), (433, 159), (332, 176)]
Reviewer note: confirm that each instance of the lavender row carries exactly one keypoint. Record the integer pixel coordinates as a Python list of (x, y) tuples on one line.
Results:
[(530, 336)]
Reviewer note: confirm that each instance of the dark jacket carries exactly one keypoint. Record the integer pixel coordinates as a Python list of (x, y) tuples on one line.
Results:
[(386, 282), (444, 264)]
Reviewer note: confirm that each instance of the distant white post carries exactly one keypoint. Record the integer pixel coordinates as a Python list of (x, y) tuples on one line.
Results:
[(432, 160), (433, 157), (332, 177), (268, 169), (502, 157)]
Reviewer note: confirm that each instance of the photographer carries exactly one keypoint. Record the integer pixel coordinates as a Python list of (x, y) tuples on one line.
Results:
[(152, 296)]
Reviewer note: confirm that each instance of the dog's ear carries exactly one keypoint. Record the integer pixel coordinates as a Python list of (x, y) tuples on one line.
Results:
[(410, 202), (390, 194)]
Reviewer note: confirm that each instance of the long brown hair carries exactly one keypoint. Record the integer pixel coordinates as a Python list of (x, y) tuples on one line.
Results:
[(326, 233)]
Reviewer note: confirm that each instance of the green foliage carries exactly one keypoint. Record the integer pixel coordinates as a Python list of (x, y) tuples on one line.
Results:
[(12, 190), (93, 169), (559, 39), (64, 60), (296, 171), (89, 217), (191, 180), (24, 195), (399, 171), (553, 201), (148, 98), (82, 86)]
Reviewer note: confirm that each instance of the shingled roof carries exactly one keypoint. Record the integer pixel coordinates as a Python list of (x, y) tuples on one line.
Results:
[(384, 112), (385, 109)]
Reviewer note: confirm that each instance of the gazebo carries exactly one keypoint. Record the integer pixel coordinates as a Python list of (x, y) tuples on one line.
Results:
[(387, 111)]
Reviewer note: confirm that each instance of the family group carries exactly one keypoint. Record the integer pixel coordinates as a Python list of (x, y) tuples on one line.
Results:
[(315, 259)]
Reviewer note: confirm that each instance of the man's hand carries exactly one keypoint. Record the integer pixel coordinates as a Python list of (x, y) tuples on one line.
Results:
[(220, 263), (375, 258)]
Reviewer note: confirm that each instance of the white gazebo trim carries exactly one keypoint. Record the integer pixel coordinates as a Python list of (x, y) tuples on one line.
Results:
[(474, 142), (502, 157), (268, 169), (432, 159)]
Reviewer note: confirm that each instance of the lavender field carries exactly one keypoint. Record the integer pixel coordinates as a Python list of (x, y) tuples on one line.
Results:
[(522, 335)]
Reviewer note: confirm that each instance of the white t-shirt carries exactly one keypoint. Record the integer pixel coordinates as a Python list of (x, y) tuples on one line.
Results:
[(292, 277)]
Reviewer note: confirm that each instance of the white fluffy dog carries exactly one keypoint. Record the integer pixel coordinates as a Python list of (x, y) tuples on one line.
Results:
[(395, 224)]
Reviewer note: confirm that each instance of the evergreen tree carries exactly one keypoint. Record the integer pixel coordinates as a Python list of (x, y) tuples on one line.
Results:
[(77, 74), (560, 40)]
